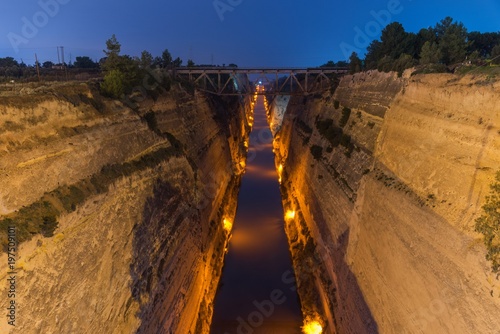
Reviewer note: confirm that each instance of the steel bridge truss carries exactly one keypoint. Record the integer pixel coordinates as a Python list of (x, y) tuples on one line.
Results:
[(277, 81)]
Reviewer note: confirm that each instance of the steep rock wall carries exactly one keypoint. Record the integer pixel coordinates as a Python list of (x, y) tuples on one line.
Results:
[(138, 198), (386, 177)]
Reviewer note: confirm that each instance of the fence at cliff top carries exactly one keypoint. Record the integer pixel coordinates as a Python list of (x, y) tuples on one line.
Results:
[(283, 81)]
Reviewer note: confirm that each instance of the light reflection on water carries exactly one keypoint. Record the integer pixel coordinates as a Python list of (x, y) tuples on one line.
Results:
[(261, 172), (258, 261), (255, 240)]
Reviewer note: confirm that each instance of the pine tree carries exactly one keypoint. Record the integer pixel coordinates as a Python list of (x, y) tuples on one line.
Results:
[(354, 63), (430, 53), (146, 59), (114, 84), (452, 40), (112, 53), (166, 58)]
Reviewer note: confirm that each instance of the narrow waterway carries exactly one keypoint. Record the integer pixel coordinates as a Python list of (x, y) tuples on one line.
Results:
[(257, 291)]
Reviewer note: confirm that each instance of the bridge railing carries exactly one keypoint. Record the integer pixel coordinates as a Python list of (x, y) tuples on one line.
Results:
[(284, 81)]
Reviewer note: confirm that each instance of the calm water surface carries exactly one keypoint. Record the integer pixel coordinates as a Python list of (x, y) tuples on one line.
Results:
[(257, 293)]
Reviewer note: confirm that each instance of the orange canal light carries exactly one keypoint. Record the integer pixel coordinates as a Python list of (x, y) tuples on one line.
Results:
[(280, 172), (227, 224), (312, 327)]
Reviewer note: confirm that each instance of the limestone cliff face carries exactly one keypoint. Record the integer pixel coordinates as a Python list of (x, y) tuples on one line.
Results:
[(118, 212), (387, 177)]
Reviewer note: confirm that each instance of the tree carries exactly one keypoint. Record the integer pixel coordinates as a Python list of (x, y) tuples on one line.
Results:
[(177, 62), (113, 47), (425, 35), (396, 41), (47, 64), (373, 54), (131, 71), (442, 26), (452, 39), (495, 55), (166, 58), (85, 62), (123, 72), (342, 63), (112, 52), (146, 59), (474, 57), (404, 62), (329, 63), (157, 62), (385, 64), (354, 63), (114, 84), (430, 53), (8, 62), (190, 63), (482, 42)]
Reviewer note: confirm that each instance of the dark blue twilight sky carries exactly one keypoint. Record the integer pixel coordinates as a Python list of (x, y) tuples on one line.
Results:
[(245, 32)]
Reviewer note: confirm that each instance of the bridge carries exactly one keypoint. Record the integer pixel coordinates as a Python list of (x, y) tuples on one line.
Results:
[(272, 81)]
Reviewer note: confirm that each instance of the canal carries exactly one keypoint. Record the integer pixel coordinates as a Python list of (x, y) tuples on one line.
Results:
[(257, 290)]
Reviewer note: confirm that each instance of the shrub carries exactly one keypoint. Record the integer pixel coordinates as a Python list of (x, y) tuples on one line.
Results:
[(404, 62), (430, 68), (48, 225), (150, 118), (328, 130), (324, 125), (317, 152), (114, 84), (346, 113), (489, 224), (304, 127), (336, 104), (345, 140), (385, 64)]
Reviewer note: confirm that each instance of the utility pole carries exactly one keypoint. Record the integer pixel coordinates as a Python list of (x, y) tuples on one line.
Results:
[(64, 63), (37, 67), (58, 58), (62, 55)]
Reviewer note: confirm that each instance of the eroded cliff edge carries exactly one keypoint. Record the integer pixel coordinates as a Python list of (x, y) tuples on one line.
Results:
[(124, 208), (386, 177)]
